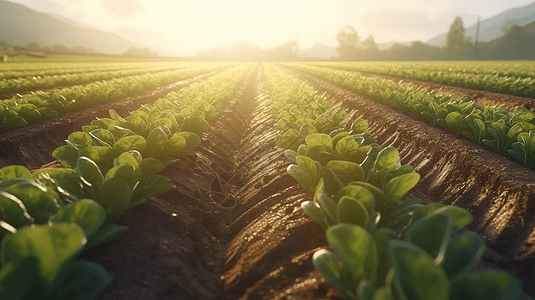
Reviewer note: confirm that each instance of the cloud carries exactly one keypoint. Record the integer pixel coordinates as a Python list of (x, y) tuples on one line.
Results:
[(123, 8)]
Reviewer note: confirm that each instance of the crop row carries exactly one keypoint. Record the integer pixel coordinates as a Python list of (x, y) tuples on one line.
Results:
[(383, 246), (49, 217), (90, 67), (507, 133), (18, 85), (22, 110), (506, 84), (62, 65)]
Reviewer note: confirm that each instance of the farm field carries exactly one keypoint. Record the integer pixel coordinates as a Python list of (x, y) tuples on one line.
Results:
[(259, 148)]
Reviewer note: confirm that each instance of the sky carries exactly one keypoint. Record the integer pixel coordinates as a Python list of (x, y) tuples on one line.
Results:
[(184, 27)]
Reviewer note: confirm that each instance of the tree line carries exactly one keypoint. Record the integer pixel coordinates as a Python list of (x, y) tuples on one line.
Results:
[(517, 43)]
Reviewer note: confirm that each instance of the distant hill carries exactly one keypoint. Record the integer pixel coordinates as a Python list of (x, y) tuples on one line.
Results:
[(319, 51), (490, 29), (20, 25)]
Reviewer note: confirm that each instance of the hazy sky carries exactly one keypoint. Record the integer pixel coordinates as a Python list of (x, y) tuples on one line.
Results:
[(187, 26)]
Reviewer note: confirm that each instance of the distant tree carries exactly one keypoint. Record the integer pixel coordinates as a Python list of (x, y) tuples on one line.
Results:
[(143, 52), (81, 49), (4, 44), (513, 43), (60, 48), (508, 25), (369, 43), (456, 40), (347, 42), (33, 46), (290, 47)]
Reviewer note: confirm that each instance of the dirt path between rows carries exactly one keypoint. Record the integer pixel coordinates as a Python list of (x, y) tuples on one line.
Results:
[(32, 145), (508, 101), (498, 191)]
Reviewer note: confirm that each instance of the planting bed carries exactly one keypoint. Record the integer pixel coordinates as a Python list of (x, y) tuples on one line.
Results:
[(508, 101), (498, 191), (16, 146), (232, 226)]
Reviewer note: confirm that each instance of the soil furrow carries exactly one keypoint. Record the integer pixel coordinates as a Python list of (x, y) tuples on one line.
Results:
[(231, 228), (32, 145), (498, 191)]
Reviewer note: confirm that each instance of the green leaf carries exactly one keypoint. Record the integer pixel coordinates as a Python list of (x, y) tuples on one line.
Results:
[(87, 213), (346, 146), (157, 137), (331, 269), (455, 122), (127, 159), (289, 140), (431, 233), (89, 172), (359, 193), (397, 187), (115, 116), (386, 159), (80, 139), (418, 275), (151, 166), (101, 155), (306, 130), (321, 140), (192, 140), (127, 173), (103, 137), (15, 171), (314, 212), (52, 246), (67, 155), (359, 126), (40, 202), (460, 216), (356, 248), (463, 252), (152, 184), (134, 142), (105, 234), (497, 285), (352, 211), (114, 195), (13, 211), (85, 281), (49, 177), (18, 279), (346, 170), (197, 125)]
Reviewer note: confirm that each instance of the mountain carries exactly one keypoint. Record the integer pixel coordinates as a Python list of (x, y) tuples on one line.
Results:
[(319, 51), (20, 25), (490, 29)]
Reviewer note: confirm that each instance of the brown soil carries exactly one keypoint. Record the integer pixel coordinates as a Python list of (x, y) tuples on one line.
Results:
[(508, 101), (498, 191), (32, 145)]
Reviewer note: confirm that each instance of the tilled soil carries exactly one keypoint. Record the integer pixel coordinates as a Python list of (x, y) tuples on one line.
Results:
[(232, 227), (498, 191)]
